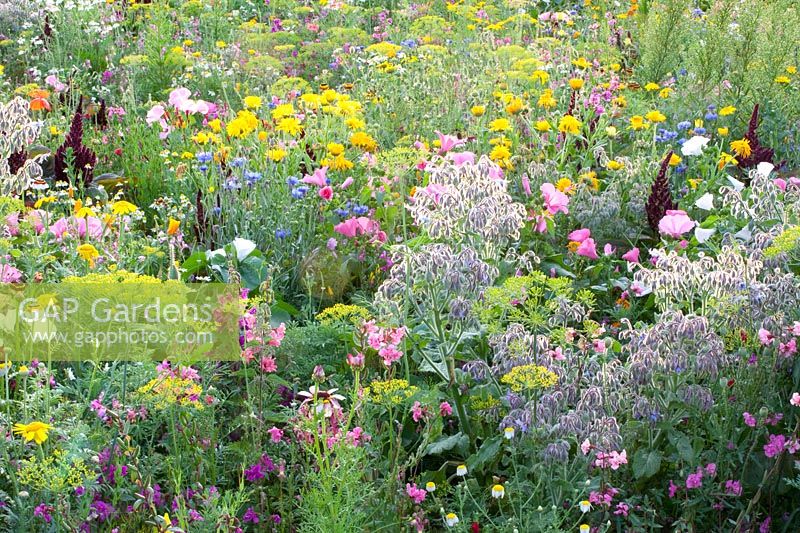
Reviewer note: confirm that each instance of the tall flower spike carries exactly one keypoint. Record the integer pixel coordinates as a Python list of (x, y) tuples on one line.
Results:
[(660, 199), (759, 153), (83, 158)]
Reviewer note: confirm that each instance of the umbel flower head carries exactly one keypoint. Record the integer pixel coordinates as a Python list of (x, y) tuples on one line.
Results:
[(660, 200)]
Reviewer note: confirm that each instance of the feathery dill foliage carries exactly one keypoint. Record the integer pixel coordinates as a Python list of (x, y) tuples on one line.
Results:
[(662, 29)]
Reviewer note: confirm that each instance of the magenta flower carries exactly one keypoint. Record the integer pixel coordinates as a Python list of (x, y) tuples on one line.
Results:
[(415, 493), (579, 235), (275, 434), (555, 201), (675, 223), (733, 487), (749, 419), (631, 256), (448, 142), (326, 193), (462, 158), (9, 274), (588, 249), (695, 481), (445, 409), (774, 446), (318, 178)]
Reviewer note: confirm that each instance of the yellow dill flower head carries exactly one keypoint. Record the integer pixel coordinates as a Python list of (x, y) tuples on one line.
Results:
[(392, 391), (353, 314), (529, 377)]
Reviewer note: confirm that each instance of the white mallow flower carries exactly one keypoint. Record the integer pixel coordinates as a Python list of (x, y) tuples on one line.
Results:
[(764, 169), (705, 202), (694, 146), (702, 235), (736, 184)]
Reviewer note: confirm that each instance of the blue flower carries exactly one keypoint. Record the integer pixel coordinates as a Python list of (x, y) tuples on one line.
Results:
[(282, 233), (238, 162), (203, 168), (699, 131), (299, 192), (204, 157), (252, 177), (341, 212), (684, 125), (232, 184), (360, 210), (291, 181), (711, 116)]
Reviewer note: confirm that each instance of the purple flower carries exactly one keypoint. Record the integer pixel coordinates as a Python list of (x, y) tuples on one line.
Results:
[(43, 511), (695, 481), (250, 516), (774, 446), (733, 487), (255, 473)]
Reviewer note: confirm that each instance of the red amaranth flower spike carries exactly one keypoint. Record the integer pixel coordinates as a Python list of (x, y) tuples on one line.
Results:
[(660, 199)]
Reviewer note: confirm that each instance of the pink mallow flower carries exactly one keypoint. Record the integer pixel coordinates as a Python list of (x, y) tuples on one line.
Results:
[(795, 400), (588, 249), (448, 142), (631, 256), (675, 223), (275, 434), (555, 201), (765, 337)]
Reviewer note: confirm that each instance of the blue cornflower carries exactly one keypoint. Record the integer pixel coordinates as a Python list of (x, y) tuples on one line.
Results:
[(204, 157), (299, 192), (231, 184), (238, 162), (341, 212), (699, 131), (282, 233), (216, 211), (360, 210), (291, 181), (711, 116), (252, 177), (684, 125), (203, 168)]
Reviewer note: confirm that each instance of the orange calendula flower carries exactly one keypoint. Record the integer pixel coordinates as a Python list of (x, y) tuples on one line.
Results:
[(173, 226)]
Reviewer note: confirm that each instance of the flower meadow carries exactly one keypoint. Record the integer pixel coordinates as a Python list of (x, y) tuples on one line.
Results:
[(502, 266)]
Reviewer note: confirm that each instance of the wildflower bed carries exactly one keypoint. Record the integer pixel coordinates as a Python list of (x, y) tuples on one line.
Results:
[(502, 265)]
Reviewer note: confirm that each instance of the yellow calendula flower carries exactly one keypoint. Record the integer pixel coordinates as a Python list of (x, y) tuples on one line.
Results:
[(725, 159), (88, 252), (363, 141), (783, 80), (655, 116), (675, 160), (546, 100), (123, 208), (614, 165), (742, 148), (541, 76), (335, 149), (500, 124), (727, 110), (576, 83), (289, 125), (790, 69), (581, 63), (569, 124), (542, 125), (252, 102), (477, 110), (282, 111), (650, 87), (276, 154), (665, 92), (501, 155), (33, 431), (564, 185), (215, 125), (514, 106), (722, 132), (638, 123)]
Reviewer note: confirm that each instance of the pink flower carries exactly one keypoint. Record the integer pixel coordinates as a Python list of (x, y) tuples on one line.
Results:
[(268, 364), (541, 224), (555, 201), (675, 223), (178, 96), (53, 81), (415, 493), (435, 191), (795, 400), (12, 224), (462, 158), (448, 142), (673, 489), (354, 227), (586, 447), (788, 349), (749, 419), (631, 256), (608, 249), (326, 193), (277, 335), (765, 337), (695, 481), (275, 434), (356, 361), (557, 354), (711, 469), (780, 183), (390, 354), (417, 412), (9, 274), (445, 409), (794, 329), (318, 178), (346, 183), (774, 446), (579, 235), (526, 185), (733, 487), (588, 249)]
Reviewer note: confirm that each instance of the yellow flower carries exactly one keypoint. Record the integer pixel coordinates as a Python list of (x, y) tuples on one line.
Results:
[(252, 102), (514, 106), (123, 208), (477, 110), (172, 227), (638, 123), (569, 124), (282, 111), (620, 101), (576, 83), (611, 131), (782, 80), (498, 491), (276, 154), (499, 124), (742, 148), (501, 155), (335, 149), (339, 162), (221, 44), (34, 431), (725, 158), (84, 212), (355, 123), (722, 131), (674, 160), (665, 92), (289, 125), (650, 87), (790, 69), (581, 63), (215, 125), (655, 116), (541, 76), (88, 253), (614, 165), (542, 125), (529, 377), (727, 110), (546, 99), (363, 141)]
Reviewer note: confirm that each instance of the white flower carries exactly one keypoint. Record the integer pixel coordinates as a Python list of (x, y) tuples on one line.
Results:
[(702, 235), (585, 506), (461, 470), (705, 202), (584, 528), (736, 184), (243, 248), (694, 146), (430, 486), (451, 519), (744, 234), (508, 433), (498, 491), (764, 169)]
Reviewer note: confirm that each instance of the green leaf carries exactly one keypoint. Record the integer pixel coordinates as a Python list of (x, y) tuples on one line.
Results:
[(486, 453), (684, 447), (459, 441), (646, 463)]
